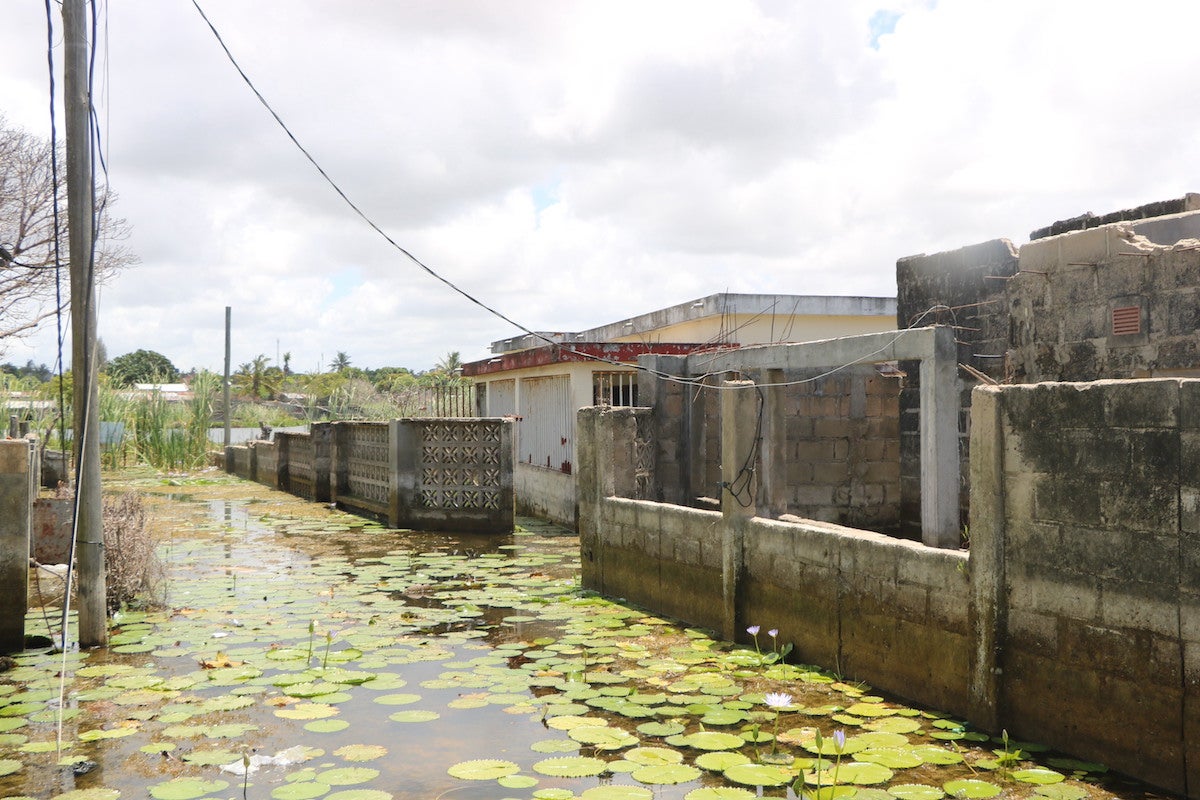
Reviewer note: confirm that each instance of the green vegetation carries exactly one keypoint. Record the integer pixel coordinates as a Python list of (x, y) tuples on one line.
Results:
[(169, 432), (141, 366)]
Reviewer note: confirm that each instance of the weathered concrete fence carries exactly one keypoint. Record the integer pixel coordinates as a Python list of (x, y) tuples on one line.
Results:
[(1074, 619), (429, 474), (18, 488)]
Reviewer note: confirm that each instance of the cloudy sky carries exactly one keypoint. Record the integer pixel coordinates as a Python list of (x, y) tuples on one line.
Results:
[(575, 162)]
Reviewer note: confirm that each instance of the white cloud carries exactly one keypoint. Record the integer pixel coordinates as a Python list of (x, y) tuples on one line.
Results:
[(572, 163)]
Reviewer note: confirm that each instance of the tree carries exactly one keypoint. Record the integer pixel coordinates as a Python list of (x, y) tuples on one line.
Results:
[(447, 371), (341, 362), (142, 366), (250, 378), (27, 232)]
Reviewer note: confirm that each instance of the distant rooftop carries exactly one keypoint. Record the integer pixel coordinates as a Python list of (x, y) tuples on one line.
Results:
[(714, 305)]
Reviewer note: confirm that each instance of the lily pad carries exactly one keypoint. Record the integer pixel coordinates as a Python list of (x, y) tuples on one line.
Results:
[(1038, 775), (347, 776), (758, 775), (483, 769), (1061, 791), (570, 767), (971, 789), (616, 791), (326, 725), (713, 740), (916, 791), (415, 715), (300, 790), (94, 793), (360, 794), (649, 756), (665, 774), (186, 788), (720, 760), (361, 752), (9, 765), (719, 793)]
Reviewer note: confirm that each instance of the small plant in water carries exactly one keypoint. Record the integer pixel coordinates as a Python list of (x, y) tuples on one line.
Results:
[(328, 642), (776, 701), (312, 627), (753, 631), (824, 792)]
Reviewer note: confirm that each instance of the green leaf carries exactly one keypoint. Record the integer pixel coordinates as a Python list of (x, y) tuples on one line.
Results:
[(483, 769), (300, 790), (758, 775), (719, 793), (570, 767), (665, 774), (186, 788), (971, 789), (1038, 775), (347, 776), (916, 791)]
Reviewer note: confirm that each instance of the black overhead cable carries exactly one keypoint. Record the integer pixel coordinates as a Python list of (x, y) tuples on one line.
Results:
[(694, 381)]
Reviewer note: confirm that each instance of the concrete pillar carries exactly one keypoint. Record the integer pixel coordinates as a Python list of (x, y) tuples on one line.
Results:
[(774, 494), (739, 487), (322, 443), (283, 443), (339, 465), (404, 449), (989, 597), (594, 476), (940, 476), (16, 501)]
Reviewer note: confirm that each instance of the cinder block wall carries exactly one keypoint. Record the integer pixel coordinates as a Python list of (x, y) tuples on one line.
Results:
[(1062, 301), (964, 288), (1092, 503), (891, 612), (843, 450)]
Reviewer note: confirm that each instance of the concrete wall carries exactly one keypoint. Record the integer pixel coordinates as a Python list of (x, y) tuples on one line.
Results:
[(1074, 619), (18, 487), (964, 288), (1045, 312), (423, 473), (1062, 300), (839, 444), (545, 493), (1087, 504), (891, 612)]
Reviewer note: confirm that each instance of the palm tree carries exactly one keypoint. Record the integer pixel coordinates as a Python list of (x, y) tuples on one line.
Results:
[(340, 362), (450, 364)]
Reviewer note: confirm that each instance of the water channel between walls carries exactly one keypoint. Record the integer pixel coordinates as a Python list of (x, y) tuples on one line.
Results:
[(301, 652)]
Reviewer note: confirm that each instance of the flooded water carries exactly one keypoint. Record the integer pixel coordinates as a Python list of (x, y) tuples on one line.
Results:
[(338, 659)]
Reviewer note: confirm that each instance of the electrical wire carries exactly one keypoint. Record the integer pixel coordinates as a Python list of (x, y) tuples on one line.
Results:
[(695, 381)]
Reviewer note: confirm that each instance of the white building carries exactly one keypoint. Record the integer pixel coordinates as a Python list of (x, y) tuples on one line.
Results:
[(543, 385)]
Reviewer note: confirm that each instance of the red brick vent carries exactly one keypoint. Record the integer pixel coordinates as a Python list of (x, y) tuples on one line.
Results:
[(1126, 320)]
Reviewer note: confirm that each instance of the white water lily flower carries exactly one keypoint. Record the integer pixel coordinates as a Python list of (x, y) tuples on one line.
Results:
[(777, 699)]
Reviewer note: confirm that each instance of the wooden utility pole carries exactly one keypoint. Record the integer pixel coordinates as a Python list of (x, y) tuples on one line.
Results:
[(225, 384), (89, 522)]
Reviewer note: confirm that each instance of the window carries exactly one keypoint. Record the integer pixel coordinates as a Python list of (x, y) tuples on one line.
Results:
[(615, 388)]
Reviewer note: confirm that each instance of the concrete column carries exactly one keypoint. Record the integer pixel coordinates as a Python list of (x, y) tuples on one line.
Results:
[(16, 503), (283, 456), (774, 494), (322, 436), (940, 477), (594, 476), (739, 487), (989, 597), (404, 447), (338, 461)]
